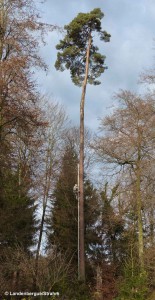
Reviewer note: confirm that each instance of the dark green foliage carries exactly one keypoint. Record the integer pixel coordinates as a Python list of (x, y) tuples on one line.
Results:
[(64, 213), (92, 211), (17, 210), (73, 47), (78, 291), (134, 284), (72, 288), (63, 223)]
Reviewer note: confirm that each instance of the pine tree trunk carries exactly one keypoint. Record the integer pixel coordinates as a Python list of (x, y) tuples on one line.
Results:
[(81, 171)]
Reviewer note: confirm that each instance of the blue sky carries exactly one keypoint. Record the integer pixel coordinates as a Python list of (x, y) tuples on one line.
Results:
[(131, 24)]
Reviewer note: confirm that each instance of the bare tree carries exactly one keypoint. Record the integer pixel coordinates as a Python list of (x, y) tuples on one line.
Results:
[(52, 137), (128, 143), (53, 269)]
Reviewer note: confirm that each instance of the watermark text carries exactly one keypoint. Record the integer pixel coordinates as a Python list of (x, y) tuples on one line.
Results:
[(31, 294)]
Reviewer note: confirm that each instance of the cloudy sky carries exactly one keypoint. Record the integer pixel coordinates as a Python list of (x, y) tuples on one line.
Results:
[(131, 24)]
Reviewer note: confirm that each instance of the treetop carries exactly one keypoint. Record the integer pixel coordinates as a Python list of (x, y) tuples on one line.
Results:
[(73, 47)]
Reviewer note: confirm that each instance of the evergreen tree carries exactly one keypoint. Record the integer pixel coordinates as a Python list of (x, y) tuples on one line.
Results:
[(17, 210), (79, 54), (63, 222)]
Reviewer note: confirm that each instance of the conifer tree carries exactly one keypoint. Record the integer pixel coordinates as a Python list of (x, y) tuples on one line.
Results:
[(63, 222), (64, 213), (78, 54), (17, 210)]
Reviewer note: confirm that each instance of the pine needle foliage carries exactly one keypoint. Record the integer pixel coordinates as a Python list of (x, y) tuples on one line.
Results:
[(72, 49)]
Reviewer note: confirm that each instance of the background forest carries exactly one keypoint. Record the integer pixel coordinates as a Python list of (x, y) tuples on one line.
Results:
[(39, 156)]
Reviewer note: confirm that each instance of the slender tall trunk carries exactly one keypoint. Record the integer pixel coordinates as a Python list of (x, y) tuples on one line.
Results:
[(15, 281), (48, 175), (99, 283), (139, 215), (1, 53), (81, 170), (1, 26), (39, 246), (151, 221)]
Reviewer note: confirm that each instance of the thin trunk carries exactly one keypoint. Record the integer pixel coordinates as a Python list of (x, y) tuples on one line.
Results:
[(15, 279), (1, 26), (151, 221), (19, 169), (139, 215), (132, 261), (81, 171), (113, 250), (39, 246), (1, 53), (45, 199), (99, 284)]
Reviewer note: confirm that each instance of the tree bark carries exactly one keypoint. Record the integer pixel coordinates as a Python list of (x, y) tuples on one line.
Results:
[(81, 170), (139, 215), (1, 26), (39, 246), (48, 175)]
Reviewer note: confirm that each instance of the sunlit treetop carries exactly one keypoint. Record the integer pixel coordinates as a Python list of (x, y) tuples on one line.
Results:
[(73, 48)]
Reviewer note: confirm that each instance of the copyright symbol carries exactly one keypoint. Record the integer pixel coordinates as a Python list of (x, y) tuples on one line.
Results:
[(6, 293)]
